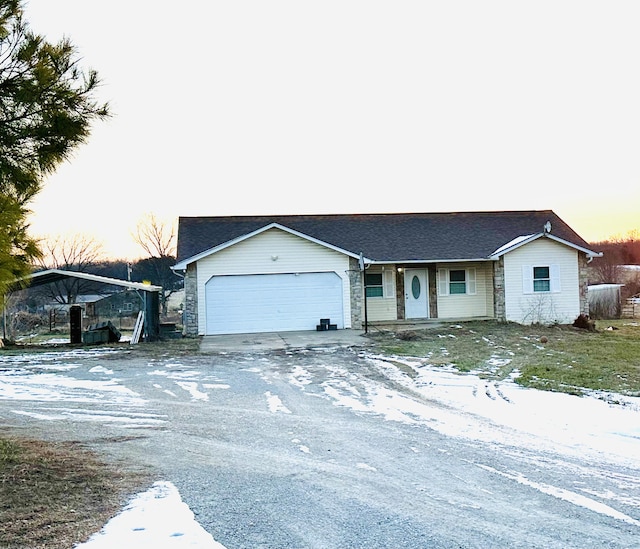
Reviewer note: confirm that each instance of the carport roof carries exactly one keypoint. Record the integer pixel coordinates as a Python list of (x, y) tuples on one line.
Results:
[(53, 275), (386, 237)]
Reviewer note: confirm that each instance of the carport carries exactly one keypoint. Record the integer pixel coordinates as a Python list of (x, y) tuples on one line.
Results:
[(148, 293)]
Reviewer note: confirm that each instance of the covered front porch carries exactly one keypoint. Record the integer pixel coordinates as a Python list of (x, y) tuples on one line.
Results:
[(417, 324), (424, 293)]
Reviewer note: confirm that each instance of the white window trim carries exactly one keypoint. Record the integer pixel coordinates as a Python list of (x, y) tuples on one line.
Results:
[(554, 279), (388, 284), (470, 281)]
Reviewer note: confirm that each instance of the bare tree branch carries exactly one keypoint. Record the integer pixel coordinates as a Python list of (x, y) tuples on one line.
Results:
[(75, 253), (157, 239)]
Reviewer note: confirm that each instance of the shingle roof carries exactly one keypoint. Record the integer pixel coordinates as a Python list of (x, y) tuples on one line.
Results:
[(385, 237)]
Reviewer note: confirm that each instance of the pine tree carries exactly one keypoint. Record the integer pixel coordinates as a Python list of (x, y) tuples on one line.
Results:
[(47, 106)]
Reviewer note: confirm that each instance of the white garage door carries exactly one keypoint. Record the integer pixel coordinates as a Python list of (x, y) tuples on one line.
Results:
[(272, 302)]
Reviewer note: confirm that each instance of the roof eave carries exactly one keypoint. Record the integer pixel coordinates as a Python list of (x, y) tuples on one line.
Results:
[(429, 261)]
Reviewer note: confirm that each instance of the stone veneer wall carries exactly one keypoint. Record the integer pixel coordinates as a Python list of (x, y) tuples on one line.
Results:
[(399, 292), (190, 314), (356, 291), (583, 281), (433, 291), (499, 306)]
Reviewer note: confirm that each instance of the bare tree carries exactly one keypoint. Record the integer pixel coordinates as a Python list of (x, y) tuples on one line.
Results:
[(157, 239), (74, 253)]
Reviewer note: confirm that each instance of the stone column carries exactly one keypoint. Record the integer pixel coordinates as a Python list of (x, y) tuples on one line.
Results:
[(499, 307), (190, 313), (583, 282), (400, 314), (356, 294)]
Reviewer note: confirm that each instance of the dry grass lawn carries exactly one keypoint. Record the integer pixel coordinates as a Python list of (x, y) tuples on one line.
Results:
[(54, 495)]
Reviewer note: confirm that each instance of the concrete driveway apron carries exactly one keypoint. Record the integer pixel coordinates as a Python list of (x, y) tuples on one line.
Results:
[(249, 343)]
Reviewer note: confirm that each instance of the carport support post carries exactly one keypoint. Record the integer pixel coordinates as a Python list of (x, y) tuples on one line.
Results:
[(151, 315)]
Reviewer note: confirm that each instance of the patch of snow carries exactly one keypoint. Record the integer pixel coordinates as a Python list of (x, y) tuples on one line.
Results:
[(107, 417), (101, 370), (51, 387), (366, 467), (502, 412), (275, 404), (157, 518), (56, 341), (566, 495), (192, 388), (300, 377)]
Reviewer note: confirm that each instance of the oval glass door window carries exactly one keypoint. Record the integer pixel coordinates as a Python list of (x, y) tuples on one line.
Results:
[(415, 287)]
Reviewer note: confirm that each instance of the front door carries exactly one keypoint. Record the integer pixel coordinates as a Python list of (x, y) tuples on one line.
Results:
[(416, 293)]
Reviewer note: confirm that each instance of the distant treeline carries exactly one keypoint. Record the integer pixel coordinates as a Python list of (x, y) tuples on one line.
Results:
[(621, 251), (612, 267)]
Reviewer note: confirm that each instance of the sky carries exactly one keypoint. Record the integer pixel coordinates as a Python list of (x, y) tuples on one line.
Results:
[(297, 107)]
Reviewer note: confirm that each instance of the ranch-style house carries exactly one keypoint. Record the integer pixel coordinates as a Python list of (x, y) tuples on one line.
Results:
[(248, 274)]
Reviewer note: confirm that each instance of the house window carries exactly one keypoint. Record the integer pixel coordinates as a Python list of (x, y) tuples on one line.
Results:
[(541, 279), (373, 283), (381, 284), (457, 281), (127, 307)]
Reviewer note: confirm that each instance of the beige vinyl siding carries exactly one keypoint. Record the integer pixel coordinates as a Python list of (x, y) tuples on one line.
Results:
[(383, 308), (273, 251), (562, 304), (478, 304)]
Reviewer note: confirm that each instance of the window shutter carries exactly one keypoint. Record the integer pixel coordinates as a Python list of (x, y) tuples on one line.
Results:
[(554, 273), (443, 282), (471, 281), (389, 287), (527, 279)]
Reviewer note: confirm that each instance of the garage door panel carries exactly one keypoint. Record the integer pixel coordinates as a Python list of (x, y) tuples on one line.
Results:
[(273, 302)]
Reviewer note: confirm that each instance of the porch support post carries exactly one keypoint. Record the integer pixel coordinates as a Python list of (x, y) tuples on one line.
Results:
[(499, 303)]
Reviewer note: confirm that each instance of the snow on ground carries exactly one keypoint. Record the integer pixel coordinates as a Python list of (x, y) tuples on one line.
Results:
[(39, 377), (557, 420), (465, 405), (275, 404), (440, 398), (157, 518), (504, 413)]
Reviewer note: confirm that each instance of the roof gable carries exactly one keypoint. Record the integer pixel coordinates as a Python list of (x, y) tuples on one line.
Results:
[(183, 264), (382, 238), (523, 240)]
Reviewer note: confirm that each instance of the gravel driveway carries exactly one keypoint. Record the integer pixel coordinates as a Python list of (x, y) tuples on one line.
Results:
[(281, 448)]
